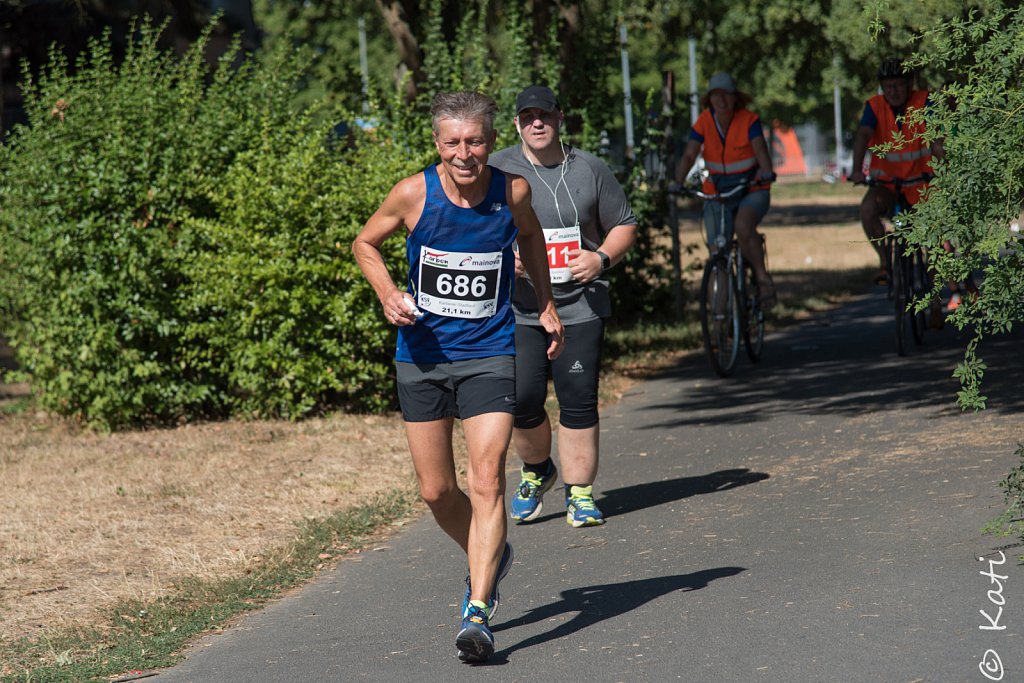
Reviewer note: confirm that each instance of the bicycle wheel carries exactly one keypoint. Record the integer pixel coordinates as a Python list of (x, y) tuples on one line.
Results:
[(921, 285), (719, 315), (753, 316), (902, 294)]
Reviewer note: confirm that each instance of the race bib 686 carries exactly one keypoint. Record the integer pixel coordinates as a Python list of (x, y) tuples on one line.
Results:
[(459, 284)]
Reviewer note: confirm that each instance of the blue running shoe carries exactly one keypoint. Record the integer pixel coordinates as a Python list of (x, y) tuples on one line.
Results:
[(529, 498), (503, 566), (475, 640), (580, 507)]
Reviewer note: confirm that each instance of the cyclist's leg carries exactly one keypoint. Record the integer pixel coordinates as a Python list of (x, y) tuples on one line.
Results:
[(878, 203), (752, 209)]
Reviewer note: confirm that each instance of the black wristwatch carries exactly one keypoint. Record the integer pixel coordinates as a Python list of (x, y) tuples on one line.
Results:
[(606, 261)]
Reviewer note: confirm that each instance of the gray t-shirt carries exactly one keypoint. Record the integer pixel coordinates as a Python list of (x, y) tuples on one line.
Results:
[(586, 192)]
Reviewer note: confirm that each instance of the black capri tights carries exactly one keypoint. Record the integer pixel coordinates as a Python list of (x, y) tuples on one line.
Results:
[(575, 374)]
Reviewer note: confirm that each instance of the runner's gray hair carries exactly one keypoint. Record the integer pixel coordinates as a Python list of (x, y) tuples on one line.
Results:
[(464, 106)]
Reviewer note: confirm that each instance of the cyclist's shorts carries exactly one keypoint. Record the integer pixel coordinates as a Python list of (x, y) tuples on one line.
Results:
[(462, 388), (759, 201)]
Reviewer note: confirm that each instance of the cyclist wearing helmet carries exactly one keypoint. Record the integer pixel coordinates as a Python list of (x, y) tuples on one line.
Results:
[(882, 122)]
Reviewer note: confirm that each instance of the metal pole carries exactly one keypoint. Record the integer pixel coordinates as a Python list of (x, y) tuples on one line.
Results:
[(363, 64), (837, 109), (627, 99), (668, 99), (693, 80)]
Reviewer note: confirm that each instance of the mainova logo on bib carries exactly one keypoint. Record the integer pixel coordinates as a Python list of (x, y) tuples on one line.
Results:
[(459, 284)]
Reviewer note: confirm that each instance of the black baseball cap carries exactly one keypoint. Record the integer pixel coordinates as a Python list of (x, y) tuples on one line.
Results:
[(539, 96)]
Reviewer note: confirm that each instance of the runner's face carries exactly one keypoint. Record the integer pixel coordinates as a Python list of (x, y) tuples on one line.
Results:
[(539, 128), (896, 91), (464, 146)]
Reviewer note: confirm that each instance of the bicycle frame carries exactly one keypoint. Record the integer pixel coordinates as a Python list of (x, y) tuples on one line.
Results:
[(730, 302), (908, 277)]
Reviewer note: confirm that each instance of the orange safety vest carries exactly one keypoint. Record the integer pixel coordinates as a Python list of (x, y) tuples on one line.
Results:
[(910, 159), (733, 155)]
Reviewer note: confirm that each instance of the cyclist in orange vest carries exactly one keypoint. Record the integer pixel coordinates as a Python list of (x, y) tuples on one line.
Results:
[(734, 149), (882, 122)]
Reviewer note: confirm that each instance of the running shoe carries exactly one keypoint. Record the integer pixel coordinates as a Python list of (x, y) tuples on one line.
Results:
[(503, 566), (475, 640), (529, 498), (580, 507), (954, 302)]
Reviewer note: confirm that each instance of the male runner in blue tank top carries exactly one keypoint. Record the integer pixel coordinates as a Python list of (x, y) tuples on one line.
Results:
[(456, 334)]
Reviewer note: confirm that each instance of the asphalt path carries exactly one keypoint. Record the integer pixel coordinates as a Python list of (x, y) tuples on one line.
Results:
[(814, 518)]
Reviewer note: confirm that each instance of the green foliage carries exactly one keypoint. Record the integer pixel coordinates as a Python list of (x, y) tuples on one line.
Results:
[(330, 31), (979, 186), (641, 286), (1011, 521), (174, 243)]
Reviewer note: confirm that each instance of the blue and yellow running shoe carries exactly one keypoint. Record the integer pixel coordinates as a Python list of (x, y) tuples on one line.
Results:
[(529, 498), (475, 640), (580, 507), (503, 566)]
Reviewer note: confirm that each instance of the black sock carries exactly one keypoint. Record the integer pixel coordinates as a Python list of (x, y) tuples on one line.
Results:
[(541, 469)]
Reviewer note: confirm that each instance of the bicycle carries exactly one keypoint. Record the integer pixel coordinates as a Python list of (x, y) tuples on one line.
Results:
[(730, 302), (909, 279)]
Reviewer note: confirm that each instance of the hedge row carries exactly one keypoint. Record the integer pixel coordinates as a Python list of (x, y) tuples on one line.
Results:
[(174, 245)]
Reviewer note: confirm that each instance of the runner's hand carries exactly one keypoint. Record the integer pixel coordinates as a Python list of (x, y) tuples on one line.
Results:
[(398, 309), (520, 271), (553, 326), (585, 265)]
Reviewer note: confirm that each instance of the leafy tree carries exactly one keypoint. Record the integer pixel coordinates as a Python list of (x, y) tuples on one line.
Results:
[(978, 190), (979, 185)]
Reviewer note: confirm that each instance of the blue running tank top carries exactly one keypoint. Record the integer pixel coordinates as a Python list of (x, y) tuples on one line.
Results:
[(461, 273)]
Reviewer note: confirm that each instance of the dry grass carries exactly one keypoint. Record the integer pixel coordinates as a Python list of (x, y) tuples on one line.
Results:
[(91, 519)]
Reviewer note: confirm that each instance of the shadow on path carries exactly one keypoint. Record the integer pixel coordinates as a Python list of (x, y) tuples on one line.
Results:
[(633, 498), (843, 364), (629, 499), (594, 604)]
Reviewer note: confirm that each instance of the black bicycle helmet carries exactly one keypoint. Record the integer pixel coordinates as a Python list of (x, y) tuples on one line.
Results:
[(892, 67)]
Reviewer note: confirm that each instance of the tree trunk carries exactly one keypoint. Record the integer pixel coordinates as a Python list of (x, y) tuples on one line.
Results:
[(569, 15), (396, 17), (572, 14)]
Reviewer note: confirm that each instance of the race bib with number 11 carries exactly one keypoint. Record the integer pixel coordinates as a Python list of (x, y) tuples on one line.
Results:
[(559, 242)]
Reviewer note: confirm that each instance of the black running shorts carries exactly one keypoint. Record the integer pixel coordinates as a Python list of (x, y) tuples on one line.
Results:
[(463, 389), (575, 374)]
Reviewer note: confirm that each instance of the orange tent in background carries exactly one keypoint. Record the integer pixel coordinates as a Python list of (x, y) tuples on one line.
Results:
[(787, 155)]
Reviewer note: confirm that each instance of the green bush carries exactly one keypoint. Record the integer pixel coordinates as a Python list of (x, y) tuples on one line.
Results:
[(174, 242), (979, 186)]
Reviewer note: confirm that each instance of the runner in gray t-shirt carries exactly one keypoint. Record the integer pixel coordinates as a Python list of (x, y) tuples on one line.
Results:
[(588, 227)]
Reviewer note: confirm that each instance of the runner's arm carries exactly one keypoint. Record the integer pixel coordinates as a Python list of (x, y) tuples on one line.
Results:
[(534, 257), (586, 265), (400, 208)]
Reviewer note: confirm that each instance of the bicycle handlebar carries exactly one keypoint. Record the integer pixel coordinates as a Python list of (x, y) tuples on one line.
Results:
[(720, 196), (898, 183)]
